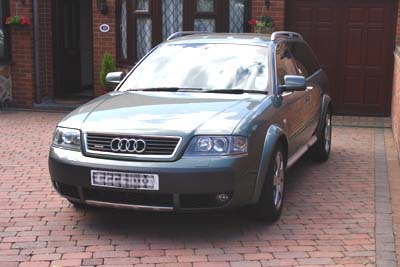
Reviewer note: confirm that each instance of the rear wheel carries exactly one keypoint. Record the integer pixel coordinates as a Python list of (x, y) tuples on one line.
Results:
[(322, 148), (269, 206)]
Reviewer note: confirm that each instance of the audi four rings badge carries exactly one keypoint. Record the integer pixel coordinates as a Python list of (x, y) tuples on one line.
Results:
[(128, 145)]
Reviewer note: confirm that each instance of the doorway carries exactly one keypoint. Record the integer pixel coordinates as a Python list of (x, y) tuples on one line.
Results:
[(73, 49)]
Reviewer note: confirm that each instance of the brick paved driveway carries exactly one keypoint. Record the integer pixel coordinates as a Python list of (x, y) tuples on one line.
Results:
[(328, 220)]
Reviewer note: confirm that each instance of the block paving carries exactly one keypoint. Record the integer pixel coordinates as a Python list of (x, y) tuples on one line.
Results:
[(329, 217)]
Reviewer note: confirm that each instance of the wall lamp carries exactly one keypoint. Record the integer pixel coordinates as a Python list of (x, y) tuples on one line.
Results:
[(102, 6), (267, 3)]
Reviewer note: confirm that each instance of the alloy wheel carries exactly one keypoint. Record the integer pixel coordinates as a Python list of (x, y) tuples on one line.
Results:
[(328, 132), (278, 180)]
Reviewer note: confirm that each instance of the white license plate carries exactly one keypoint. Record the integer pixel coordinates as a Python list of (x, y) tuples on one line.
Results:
[(125, 180)]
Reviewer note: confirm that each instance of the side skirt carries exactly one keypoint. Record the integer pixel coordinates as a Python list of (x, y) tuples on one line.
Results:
[(300, 152)]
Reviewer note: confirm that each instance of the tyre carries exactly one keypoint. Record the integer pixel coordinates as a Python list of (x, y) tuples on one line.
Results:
[(269, 206), (322, 148), (77, 205)]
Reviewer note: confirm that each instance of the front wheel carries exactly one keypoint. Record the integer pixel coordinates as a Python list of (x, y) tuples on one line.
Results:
[(322, 148), (269, 206)]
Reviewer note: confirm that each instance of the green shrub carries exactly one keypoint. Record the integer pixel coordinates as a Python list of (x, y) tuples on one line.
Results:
[(108, 65)]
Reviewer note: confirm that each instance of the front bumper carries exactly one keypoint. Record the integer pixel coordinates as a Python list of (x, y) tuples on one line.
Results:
[(187, 184)]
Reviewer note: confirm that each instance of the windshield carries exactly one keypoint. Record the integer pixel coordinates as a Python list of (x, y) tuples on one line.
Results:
[(203, 66)]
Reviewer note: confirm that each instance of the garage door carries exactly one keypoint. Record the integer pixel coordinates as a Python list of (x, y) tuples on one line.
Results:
[(354, 40)]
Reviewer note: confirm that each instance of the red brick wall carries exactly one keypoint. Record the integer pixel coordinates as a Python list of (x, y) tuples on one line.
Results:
[(396, 99), (398, 26), (396, 87), (103, 42), (22, 67), (23, 53), (23, 84), (276, 11)]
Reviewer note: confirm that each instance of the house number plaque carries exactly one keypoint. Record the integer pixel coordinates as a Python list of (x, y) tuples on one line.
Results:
[(104, 28)]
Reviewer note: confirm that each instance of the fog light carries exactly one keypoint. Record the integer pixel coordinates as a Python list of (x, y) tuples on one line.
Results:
[(222, 197)]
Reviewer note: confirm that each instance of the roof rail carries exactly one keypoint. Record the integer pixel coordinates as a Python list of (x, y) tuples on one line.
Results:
[(184, 33), (291, 35)]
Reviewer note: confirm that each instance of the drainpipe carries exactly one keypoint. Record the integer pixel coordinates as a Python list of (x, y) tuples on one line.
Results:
[(36, 34)]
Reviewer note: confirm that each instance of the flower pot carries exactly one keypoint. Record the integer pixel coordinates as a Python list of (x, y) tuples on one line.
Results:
[(18, 21), (19, 27)]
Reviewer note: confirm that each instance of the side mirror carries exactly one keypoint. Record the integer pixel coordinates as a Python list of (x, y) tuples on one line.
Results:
[(113, 79), (293, 83)]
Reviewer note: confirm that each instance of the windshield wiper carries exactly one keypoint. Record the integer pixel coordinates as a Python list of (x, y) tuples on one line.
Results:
[(167, 89), (180, 89), (237, 91)]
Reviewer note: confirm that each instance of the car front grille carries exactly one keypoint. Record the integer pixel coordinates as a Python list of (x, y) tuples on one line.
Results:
[(155, 146)]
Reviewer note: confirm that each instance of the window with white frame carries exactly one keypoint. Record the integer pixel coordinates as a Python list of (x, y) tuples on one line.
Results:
[(146, 23)]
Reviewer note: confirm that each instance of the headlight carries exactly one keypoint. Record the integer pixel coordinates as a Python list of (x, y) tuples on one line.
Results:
[(217, 145), (67, 138)]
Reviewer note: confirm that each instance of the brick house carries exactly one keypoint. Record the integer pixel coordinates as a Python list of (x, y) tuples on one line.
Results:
[(59, 56)]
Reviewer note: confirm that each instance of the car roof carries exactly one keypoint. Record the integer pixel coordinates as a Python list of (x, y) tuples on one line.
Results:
[(226, 38)]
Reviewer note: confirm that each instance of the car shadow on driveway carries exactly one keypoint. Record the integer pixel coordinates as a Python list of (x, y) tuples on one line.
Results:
[(184, 228)]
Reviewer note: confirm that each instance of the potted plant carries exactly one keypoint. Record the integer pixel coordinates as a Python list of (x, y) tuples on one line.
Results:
[(264, 25), (108, 65), (18, 21)]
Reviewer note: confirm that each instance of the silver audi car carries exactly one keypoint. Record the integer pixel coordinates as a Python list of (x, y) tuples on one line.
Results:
[(205, 121)]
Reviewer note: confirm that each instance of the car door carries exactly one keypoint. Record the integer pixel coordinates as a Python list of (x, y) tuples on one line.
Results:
[(293, 112), (307, 66)]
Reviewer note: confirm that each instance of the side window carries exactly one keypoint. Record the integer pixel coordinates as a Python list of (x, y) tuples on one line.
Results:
[(284, 63), (305, 60)]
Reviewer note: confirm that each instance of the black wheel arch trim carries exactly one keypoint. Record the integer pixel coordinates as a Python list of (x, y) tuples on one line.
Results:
[(273, 136), (326, 104)]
